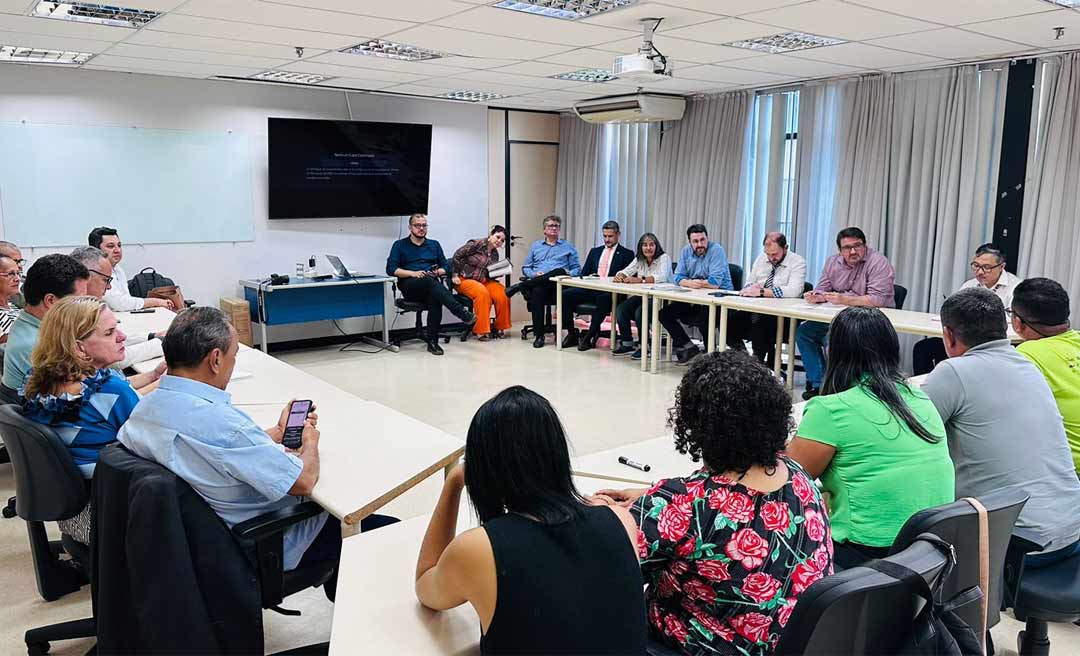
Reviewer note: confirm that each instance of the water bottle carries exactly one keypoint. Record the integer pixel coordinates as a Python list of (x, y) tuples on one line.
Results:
[(311, 267), (299, 270)]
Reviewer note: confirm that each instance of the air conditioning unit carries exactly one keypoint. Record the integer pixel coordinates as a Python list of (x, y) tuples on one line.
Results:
[(632, 108)]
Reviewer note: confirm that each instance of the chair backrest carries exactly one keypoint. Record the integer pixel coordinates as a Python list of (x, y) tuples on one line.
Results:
[(47, 482), (958, 524), (736, 275), (899, 296), (860, 610)]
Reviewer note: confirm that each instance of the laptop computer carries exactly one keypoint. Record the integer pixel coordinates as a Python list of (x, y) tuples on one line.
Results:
[(342, 272)]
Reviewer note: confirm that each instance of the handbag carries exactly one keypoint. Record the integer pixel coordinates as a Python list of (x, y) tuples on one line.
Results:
[(170, 293), (148, 283)]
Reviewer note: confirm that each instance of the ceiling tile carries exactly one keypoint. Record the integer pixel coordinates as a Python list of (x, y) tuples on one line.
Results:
[(1035, 29), (724, 30), (790, 66), (193, 56), (957, 12), (53, 42), (628, 17), (951, 43), (349, 71), (543, 69), (427, 68), (474, 44), (195, 25), (418, 90), (729, 76), (871, 57), (455, 84), (478, 63), (731, 7), (201, 75), (680, 86), (490, 20), (49, 27), (213, 44), (416, 11), (497, 77), (133, 64), (682, 51), (356, 83), (16, 6), (843, 21), (287, 16), (586, 58)]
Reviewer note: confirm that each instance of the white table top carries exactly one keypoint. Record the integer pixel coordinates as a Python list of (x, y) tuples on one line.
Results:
[(306, 283), (376, 609), (659, 453), (606, 285), (145, 323)]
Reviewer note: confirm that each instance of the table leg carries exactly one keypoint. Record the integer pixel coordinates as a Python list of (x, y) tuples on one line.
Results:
[(779, 345), (614, 304), (349, 530), (655, 334), (558, 312), (385, 323), (710, 343), (791, 354), (723, 327), (643, 332)]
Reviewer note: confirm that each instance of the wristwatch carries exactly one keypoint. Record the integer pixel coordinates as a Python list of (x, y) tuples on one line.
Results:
[(761, 292)]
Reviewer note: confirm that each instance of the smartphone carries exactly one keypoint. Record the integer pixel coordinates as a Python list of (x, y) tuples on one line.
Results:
[(294, 426), (143, 311)]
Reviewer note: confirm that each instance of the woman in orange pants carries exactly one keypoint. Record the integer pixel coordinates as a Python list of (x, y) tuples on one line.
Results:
[(471, 279)]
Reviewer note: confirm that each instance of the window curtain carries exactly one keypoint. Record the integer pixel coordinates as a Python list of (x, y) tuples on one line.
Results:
[(627, 152), (699, 175), (764, 198), (1050, 234), (576, 180)]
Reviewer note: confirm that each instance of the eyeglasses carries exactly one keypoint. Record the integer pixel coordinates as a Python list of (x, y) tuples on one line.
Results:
[(985, 268), (851, 249), (108, 279), (552, 226), (13, 275), (421, 226)]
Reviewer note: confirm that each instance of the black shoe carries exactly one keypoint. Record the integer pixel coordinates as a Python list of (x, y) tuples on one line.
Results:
[(434, 348), (467, 317), (571, 339), (636, 355), (589, 342), (539, 341), (623, 349), (513, 289), (687, 354), (810, 393)]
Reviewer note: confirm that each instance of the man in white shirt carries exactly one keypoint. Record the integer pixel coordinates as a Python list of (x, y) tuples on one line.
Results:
[(118, 298), (778, 272), (988, 265), (137, 348)]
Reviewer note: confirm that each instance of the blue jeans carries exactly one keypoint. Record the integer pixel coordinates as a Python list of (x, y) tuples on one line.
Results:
[(812, 336), (1037, 560)]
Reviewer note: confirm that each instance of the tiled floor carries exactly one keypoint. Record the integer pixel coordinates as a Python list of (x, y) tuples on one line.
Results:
[(603, 402)]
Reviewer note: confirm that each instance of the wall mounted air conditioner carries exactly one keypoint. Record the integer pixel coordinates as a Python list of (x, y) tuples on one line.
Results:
[(632, 108)]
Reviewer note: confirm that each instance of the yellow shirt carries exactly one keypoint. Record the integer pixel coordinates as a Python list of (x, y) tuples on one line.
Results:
[(1058, 358)]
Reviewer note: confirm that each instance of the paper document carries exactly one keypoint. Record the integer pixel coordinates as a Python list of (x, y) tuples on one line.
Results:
[(668, 287), (500, 269), (150, 365)]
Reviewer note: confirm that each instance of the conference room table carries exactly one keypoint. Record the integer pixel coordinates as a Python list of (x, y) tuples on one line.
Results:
[(616, 289)]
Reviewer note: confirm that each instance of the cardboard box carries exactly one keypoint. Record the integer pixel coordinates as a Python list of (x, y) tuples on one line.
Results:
[(239, 315)]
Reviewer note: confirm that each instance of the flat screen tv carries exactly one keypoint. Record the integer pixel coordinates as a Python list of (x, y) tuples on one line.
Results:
[(321, 169)]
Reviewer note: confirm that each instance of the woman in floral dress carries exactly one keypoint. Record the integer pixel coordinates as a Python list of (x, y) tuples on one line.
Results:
[(727, 550)]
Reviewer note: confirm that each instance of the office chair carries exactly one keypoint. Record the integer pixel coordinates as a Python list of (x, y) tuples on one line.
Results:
[(899, 296), (445, 332), (529, 329), (218, 580), (49, 488), (1039, 596)]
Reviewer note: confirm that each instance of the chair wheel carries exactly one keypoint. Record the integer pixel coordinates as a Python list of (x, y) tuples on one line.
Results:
[(524, 335), (37, 648), (9, 512)]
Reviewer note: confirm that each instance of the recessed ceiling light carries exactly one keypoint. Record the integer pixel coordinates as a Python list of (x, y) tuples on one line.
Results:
[(291, 76), (587, 75), (471, 96), (565, 9), (85, 12), (392, 50), (786, 42), (23, 55), (1072, 4)]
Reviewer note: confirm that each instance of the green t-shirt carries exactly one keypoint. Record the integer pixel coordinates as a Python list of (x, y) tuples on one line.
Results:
[(882, 472), (1058, 358)]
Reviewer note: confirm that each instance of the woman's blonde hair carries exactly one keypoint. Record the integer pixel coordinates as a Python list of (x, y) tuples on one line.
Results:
[(55, 361)]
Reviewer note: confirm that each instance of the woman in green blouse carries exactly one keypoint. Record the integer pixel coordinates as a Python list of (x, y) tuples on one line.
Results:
[(877, 444)]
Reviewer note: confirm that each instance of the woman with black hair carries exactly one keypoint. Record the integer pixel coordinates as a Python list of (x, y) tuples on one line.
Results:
[(727, 550), (651, 265), (877, 443), (547, 572)]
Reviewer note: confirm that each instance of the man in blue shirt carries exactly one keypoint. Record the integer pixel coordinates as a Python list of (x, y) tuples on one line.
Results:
[(547, 258), (420, 266), (190, 426), (702, 265)]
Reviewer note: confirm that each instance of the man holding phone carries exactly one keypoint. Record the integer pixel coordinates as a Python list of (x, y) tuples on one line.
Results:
[(857, 275)]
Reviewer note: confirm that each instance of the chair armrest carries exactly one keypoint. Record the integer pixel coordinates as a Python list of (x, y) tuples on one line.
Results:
[(271, 523), (1022, 542), (1026, 541)]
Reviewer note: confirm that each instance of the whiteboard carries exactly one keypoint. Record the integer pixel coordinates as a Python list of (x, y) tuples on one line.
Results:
[(58, 182)]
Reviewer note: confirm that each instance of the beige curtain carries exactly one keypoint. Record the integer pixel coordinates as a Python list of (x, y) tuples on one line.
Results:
[(576, 190)]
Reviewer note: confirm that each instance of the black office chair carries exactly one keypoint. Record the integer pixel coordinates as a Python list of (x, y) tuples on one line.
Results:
[(736, 272), (899, 296), (860, 610), (958, 524), (445, 332), (224, 577), (49, 488), (529, 329), (1039, 596)]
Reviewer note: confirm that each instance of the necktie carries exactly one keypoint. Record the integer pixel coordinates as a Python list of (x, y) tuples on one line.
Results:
[(772, 274), (605, 262)]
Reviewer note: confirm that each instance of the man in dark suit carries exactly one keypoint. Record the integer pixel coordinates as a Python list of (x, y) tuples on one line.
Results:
[(603, 261)]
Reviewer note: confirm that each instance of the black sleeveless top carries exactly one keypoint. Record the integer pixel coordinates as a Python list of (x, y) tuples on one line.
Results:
[(570, 588)]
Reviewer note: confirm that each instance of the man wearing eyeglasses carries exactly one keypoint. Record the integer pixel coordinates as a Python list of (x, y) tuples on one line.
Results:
[(137, 348), (420, 267), (988, 265), (857, 275)]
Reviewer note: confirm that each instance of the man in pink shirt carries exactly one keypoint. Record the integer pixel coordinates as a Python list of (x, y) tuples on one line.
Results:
[(857, 275)]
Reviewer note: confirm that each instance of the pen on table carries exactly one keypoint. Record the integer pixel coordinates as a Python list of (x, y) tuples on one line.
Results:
[(636, 465)]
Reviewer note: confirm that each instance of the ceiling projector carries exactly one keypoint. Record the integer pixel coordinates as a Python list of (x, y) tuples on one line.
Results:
[(648, 65)]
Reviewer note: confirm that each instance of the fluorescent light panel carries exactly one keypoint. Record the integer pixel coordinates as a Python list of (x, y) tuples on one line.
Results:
[(786, 42), (291, 76), (392, 50), (586, 75), (23, 55), (471, 96), (84, 12), (565, 9), (1072, 4)]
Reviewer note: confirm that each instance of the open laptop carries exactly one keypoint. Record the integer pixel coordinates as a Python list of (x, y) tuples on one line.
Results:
[(342, 272)]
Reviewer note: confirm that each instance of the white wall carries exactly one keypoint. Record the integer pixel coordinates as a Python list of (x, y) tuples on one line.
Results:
[(458, 205)]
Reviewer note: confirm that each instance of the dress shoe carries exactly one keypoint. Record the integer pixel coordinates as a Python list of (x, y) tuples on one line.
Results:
[(513, 289), (539, 341), (571, 340), (810, 393), (434, 348), (687, 354), (588, 342), (467, 317)]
